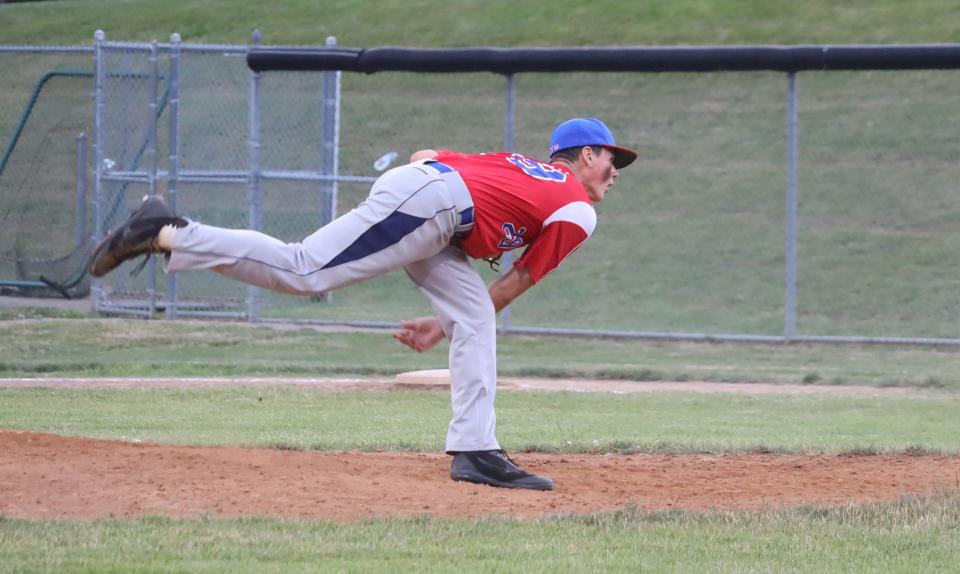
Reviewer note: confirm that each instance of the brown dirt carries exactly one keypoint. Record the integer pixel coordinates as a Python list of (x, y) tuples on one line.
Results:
[(55, 477)]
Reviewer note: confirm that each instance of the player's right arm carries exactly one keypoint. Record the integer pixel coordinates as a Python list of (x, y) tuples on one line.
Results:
[(423, 333), (420, 334)]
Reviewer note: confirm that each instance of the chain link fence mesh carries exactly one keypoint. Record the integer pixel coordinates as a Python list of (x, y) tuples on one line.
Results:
[(127, 157), (690, 240)]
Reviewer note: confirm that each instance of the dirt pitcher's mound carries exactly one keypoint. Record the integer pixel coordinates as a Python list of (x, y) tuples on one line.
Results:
[(51, 476)]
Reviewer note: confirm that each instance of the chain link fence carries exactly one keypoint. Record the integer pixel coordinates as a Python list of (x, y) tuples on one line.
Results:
[(689, 244)]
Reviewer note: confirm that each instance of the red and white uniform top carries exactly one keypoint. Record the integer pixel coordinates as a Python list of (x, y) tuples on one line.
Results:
[(521, 202)]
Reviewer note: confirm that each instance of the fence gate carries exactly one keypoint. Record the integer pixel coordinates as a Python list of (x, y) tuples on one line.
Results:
[(224, 145)]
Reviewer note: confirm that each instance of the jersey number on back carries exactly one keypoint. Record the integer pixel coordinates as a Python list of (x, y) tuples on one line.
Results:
[(537, 170)]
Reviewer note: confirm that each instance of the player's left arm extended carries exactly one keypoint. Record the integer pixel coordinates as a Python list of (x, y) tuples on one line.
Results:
[(423, 333)]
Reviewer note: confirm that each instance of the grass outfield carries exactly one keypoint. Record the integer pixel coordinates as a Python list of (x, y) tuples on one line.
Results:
[(538, 421), (909, 536), (65, 347)]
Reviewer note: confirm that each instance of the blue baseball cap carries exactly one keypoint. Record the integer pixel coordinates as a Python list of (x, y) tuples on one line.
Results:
[(580, 132)]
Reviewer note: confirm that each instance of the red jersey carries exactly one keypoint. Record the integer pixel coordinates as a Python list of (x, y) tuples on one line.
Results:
[(521, 202)]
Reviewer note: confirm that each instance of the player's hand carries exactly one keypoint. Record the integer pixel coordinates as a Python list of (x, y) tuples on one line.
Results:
[(420, 334)]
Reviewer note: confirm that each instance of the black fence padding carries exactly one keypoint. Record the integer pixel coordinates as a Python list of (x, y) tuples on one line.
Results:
[(304, 59), (649, 59)]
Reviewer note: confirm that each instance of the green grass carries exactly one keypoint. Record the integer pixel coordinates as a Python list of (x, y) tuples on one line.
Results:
[(39, 312), (908, 536), (498, 22), (65, 347), (537, 421)]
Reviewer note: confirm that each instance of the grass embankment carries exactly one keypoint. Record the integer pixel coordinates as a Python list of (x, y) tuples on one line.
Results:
[(498, 22)]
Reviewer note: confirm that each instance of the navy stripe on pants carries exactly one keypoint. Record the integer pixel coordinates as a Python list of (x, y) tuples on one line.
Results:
[(391, 230)]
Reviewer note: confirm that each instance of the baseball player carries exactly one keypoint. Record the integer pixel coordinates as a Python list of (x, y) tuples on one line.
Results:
[(429, 217)]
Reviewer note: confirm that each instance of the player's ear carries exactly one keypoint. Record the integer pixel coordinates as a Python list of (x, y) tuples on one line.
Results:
[(586, 155)]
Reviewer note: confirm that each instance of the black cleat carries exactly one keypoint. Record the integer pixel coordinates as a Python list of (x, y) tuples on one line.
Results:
[(134, 237), (494, 467)]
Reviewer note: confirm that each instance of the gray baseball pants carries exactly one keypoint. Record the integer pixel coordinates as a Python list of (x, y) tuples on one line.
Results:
[(408, 220)]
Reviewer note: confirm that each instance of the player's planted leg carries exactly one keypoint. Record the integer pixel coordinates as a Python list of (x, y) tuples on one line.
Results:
[(468, 317)]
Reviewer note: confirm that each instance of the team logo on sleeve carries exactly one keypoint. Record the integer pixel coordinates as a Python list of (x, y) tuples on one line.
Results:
[(514, 236)]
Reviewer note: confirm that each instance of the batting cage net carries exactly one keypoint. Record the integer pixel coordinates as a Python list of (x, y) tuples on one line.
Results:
[(692, 240), (44, 119)]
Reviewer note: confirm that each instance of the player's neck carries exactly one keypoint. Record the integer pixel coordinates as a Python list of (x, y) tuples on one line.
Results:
[(570, 166)]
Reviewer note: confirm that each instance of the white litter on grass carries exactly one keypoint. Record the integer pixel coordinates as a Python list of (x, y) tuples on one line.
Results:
[(385, 161)]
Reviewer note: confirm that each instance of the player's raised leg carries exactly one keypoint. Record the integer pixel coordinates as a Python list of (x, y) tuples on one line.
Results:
[(135, 237), (409, 215)]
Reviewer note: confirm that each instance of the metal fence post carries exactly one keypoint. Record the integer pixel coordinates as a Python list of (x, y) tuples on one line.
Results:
[(330, 146), (151, 151), (80, 231), (790, 306), (508, 130), (96, 285), (254, 199), (174, 157), (330, 152)]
